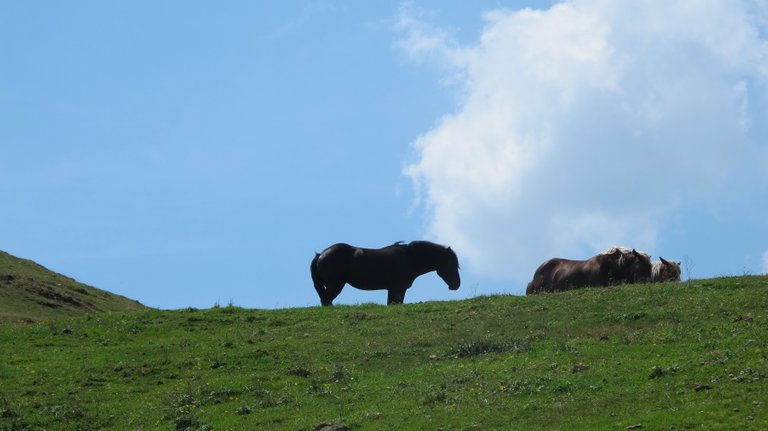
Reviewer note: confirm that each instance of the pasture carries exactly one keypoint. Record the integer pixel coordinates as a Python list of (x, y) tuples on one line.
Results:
[(691, 355)]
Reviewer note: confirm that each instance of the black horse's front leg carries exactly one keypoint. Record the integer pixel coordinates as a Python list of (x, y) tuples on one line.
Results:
[(331, 292), (395, 296)]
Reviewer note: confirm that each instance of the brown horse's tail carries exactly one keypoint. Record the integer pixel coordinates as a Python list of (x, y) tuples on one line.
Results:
[(319, 287), (532, 288), (536, 283)]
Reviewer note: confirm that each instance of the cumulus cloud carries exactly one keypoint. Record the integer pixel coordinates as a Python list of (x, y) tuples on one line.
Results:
[(765, 263), (588, 124)]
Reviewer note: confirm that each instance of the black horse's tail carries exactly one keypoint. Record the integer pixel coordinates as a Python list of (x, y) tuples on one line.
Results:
[(319, 287)]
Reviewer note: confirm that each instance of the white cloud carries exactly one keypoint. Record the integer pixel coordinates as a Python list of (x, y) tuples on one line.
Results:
[(585, 125), (765, 263)]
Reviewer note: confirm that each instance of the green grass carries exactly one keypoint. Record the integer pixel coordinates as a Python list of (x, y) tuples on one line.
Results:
[(30, 292), (677, 356)]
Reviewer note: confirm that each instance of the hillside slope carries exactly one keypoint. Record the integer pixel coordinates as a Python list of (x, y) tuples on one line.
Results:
[(678, 356), (30, 292)]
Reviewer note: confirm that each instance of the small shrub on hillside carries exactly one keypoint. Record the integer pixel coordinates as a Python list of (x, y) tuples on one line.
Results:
[(188, 422), (299, 371), (339, 374), (482, 347), (657, 371)]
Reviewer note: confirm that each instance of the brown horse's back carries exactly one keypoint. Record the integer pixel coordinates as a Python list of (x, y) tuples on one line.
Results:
[(556, 274)]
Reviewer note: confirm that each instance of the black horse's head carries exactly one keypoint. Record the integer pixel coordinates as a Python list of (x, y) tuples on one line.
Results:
[(448, 268)]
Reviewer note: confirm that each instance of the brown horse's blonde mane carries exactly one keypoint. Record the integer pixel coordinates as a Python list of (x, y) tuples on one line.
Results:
[(625, 250)]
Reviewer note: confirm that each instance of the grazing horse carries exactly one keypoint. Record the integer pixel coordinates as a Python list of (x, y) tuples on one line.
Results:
[(393, 268), (558, 274), (615, 266), (665, 270)]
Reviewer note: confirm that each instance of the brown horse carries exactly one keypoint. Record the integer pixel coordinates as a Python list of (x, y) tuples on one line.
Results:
[(392, 268), (665, 270), (615, 266)]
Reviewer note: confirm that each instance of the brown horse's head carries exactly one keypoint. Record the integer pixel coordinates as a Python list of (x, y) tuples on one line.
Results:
[(665, 270)]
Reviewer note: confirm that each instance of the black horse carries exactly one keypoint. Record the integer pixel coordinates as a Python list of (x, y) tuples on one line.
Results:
[(393, 268)]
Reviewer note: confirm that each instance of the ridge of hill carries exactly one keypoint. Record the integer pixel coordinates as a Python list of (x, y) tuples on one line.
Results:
[(691, 355), (30, 292)]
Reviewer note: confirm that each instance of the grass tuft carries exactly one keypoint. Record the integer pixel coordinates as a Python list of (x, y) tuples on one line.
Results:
[(486, 346)]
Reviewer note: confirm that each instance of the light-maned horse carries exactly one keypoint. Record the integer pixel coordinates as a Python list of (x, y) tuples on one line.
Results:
[(393, 268), (665, 270)]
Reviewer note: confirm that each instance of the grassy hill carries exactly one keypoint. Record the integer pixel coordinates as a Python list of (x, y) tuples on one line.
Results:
[(689, 355), (31, 292)]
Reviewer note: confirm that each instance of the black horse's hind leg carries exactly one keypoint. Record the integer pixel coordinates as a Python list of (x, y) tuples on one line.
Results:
[(395, 296), (331, 292)]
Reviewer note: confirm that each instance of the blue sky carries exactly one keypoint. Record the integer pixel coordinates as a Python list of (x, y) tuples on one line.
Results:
[(193, 153)]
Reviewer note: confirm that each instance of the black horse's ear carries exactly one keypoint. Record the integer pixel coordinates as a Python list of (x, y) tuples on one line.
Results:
[(663, 261)]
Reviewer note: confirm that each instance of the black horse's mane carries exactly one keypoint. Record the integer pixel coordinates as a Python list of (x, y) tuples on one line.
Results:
[(427, 246), (417, 244)]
